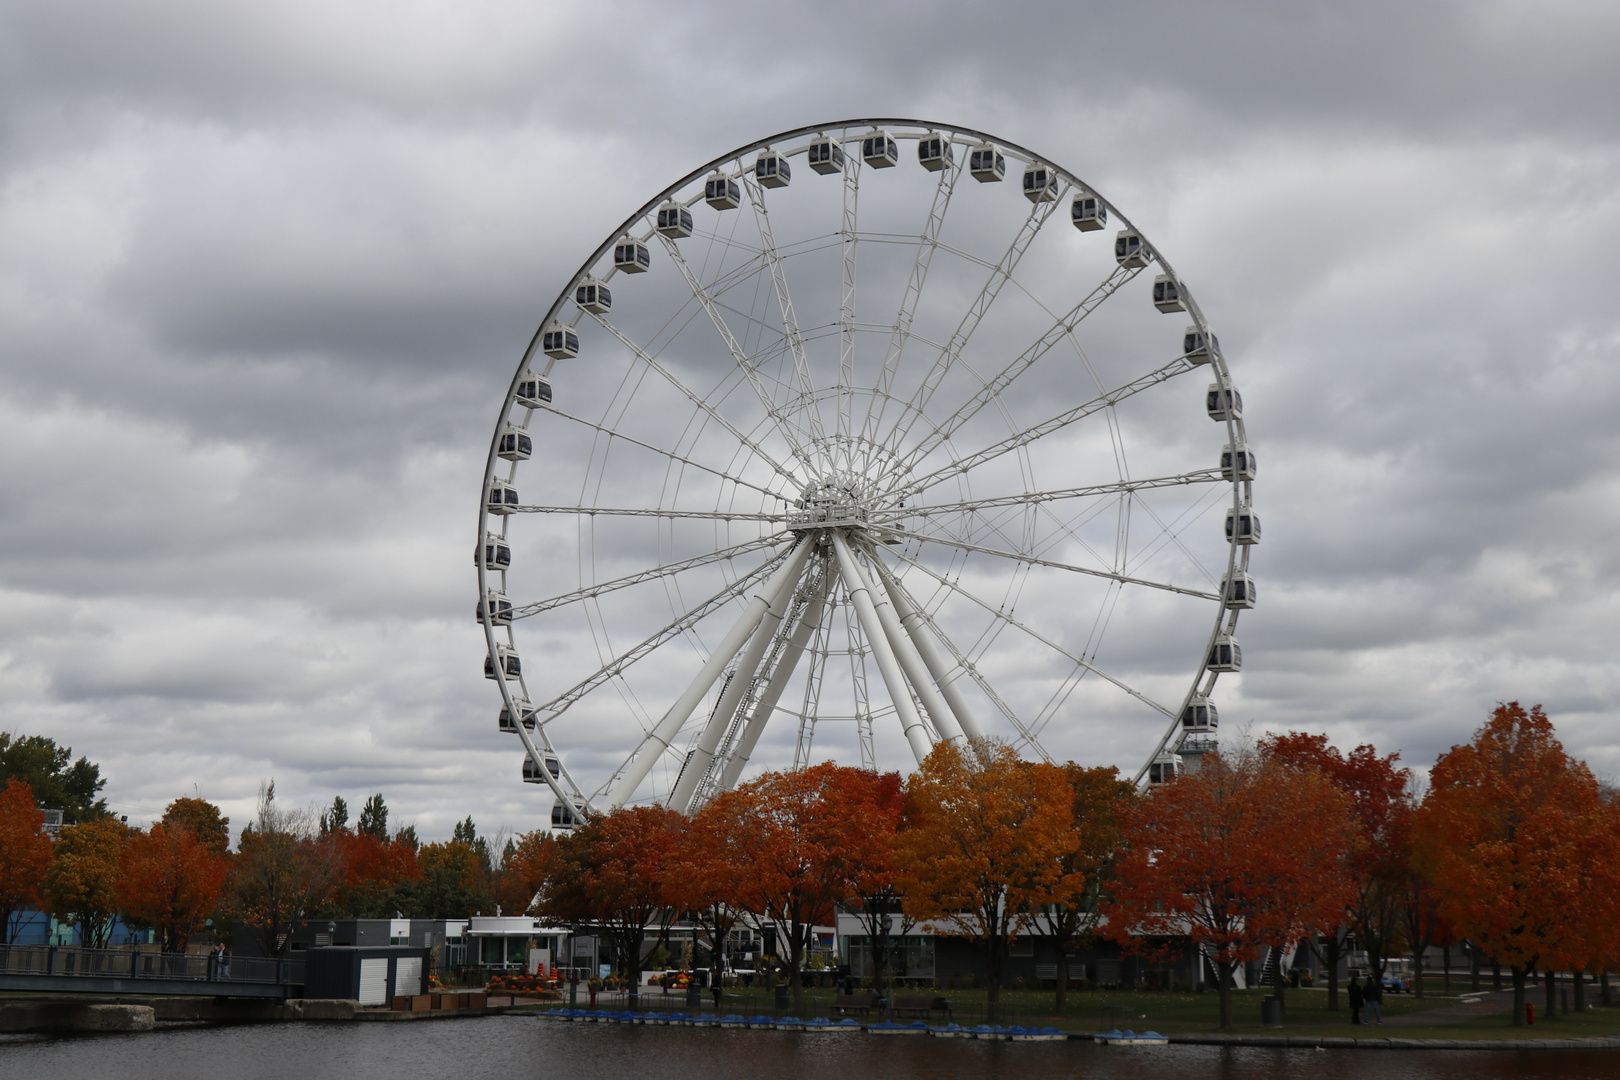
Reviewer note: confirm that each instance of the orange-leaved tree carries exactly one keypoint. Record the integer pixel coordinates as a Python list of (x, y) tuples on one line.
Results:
[(1511, 829), (1381, 816), (706, 873), (981, 850), (524, 869), (621, 859), (25, 853), (375, 875), (82, 884), (874, 889), (1244, 854), (809, 835), (1071, 914), (170, 881)]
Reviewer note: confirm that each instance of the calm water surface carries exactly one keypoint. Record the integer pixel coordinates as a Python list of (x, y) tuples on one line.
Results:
[(500, 1047)]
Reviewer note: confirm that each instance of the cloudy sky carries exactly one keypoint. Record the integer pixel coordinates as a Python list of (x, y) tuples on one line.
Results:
[(265, 271)]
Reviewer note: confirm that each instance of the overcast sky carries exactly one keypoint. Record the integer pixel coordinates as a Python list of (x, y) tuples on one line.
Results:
[(265, 271)]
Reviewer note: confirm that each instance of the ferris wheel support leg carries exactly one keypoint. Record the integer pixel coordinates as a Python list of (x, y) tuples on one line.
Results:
[(667, 728), (939, 713), (911, 618), (889, 667), (747, 671), (765, 705)]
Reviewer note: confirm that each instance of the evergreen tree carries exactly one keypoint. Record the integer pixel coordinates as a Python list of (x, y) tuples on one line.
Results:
[(58, 782), (374, 817), (336, 820)]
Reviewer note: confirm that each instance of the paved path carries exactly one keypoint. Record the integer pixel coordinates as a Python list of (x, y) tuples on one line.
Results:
[(1472, 1007)]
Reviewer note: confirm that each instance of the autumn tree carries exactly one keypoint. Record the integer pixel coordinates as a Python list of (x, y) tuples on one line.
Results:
[(171, 881), (982, 846), (874, 896), (58, 781), (524, 870), (376, 876), (624, 857), (705, 875), (81, 885), (1510, 828), (1379, 862), (808, 835), (1070, 915), (25, 853), (204, 821), (282, 874), (1244, 854)]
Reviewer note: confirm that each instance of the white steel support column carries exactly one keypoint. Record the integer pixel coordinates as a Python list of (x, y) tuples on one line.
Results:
[(939, 713), (666, 729), (697, 766), (893, 678), (765, 703), (911, 618)]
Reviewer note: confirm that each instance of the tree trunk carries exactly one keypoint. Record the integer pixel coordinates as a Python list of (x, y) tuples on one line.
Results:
[(1417, 972), (1224, 970), (1332, 952), (1518, 996), (1445, 958), (1549, 979), (1278, 982), (992, 995), (1062, 980), (1473, 967), (795, 963), (1496, 975), (1580, 990), (1603, 987)]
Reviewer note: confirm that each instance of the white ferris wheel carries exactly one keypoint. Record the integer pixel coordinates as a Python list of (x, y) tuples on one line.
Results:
[(861, 437)]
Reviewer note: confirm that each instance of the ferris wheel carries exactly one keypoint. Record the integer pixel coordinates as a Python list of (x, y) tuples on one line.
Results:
[(858, 438)]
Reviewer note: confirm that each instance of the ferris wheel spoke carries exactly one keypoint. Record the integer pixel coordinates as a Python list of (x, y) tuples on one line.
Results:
[(614, 433), (790, 319), (610, 511), (1179, 366), (1039, 212), (523, 611), (900, 332), (1033, 560), (1034, 498), (1037, 635), (739, 356), (909, 603), (850, 235), (695, 398), (551, 710), (1060, 329)]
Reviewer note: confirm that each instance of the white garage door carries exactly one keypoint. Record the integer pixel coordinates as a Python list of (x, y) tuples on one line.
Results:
[(407, 976), (374, 981)]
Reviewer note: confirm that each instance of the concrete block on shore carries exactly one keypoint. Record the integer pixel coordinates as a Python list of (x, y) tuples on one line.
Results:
[(326, 1008), (70, 1016)]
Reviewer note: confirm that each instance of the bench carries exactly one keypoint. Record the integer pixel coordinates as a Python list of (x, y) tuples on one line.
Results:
[(920, 1006), (861, 1003)]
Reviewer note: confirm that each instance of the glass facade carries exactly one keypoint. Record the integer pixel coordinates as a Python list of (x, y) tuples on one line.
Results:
[(910, 957)]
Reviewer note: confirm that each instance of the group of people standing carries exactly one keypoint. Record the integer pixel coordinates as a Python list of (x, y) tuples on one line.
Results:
[(1370, 997)]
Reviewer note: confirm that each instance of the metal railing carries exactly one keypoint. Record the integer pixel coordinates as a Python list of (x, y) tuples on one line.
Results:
[(63, 960)]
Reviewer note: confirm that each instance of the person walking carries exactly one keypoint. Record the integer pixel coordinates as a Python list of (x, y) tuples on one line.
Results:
[(1356, 999), (1375, 997)]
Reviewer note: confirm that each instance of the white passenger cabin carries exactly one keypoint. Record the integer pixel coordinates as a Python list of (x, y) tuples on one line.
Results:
[(934, 151), (1239, 464), (1196, 344), (986, 164), (1088, 213), (533, 390), (494, 608), (515, 444), (825, 156), (506, 661), (1243, 525), (1130, 249), (493, 553), (559, 342), (674, 221), (503, 497), (1200, 715), (507, 724), (772, 170), (879, 150), (1163, 769), (1223, 403), (1040, 183), (594, 297), (630, 256), (1167, 294), (1226, 654), (1238, 590)]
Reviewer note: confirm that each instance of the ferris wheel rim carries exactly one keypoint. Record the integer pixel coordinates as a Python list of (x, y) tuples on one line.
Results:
[(1238, 554)]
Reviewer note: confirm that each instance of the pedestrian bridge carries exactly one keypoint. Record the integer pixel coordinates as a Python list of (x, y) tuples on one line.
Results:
[(59, 969)]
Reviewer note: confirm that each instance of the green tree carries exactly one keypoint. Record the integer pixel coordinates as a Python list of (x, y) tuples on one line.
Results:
[(453, 883), (204, 821), (374, 817), (336, 820), (407, 836), (58, 782)]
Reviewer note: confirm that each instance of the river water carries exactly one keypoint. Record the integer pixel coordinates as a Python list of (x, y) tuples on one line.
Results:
[(487, 1048)]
